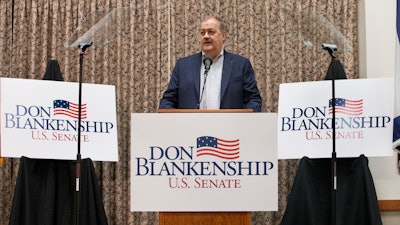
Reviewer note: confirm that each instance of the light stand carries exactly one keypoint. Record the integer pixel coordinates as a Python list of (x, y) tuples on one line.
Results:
[(335, 71), (83, 46)]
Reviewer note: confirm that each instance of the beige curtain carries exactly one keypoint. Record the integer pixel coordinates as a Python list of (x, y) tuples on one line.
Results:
[(139, 60)]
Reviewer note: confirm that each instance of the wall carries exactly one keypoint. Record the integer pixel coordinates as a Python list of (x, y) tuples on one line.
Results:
[(377, 59)]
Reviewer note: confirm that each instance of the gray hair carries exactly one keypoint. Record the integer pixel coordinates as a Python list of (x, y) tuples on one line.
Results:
[(222, 25)]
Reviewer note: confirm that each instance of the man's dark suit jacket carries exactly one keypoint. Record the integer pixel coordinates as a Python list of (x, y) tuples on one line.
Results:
[(238, 85)]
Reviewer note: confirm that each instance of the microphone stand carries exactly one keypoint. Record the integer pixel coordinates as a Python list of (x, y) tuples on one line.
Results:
[(83, 47), (202, 90)]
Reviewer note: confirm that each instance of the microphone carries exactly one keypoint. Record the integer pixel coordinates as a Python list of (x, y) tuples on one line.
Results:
[(207, 61)]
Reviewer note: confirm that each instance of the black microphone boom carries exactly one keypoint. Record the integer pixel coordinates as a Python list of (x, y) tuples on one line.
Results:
[(207, 61)]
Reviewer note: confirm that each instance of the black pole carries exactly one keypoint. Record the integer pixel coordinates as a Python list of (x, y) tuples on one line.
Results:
[(83, 47), (202, 90), (334, 159), (331, 74), (335, 72)]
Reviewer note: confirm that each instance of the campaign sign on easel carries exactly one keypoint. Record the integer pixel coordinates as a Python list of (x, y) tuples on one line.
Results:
[(39, 119), (363, 118)]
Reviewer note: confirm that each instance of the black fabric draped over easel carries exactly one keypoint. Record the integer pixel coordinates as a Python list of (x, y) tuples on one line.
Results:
[(310, 199), (45, 194)]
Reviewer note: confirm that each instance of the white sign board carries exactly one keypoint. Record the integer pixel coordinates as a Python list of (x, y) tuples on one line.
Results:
[(363, 118), (39, 120), (204, 162)]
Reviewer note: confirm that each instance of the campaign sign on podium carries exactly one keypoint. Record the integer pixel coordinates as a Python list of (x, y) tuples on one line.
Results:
[(39, 119), (363, 119), (204, 162)]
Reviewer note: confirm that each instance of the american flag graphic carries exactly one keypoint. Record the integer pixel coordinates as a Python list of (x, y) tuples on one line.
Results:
[(347, 107), (213, 146), (70, 109)]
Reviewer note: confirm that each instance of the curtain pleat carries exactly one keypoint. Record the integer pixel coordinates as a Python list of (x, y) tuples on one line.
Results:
[(139, 60)]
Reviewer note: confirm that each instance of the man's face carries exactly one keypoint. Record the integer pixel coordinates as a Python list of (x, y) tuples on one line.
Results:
[(211, 37)]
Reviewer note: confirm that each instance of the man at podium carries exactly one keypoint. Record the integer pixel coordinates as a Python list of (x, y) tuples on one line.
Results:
[(212, 78)]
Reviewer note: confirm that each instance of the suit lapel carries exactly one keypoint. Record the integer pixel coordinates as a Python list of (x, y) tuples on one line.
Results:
[(226, 72), (196, 67)]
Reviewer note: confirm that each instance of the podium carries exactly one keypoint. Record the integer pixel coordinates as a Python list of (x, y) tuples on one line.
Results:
[(200, 218), (204, 167)]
